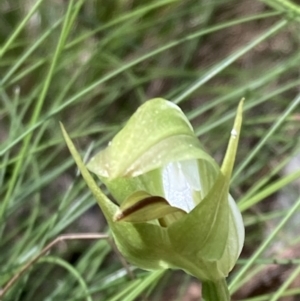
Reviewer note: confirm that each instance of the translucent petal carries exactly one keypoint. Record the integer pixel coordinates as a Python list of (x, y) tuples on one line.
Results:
[(235, 240), (180, 182)]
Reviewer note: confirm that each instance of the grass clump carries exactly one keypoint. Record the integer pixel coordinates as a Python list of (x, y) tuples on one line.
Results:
[(91, 64)]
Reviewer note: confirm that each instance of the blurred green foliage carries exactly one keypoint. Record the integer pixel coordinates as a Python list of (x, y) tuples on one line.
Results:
[(90, 64)]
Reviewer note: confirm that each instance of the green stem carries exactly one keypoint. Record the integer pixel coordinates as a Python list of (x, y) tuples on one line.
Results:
[(215, 290)]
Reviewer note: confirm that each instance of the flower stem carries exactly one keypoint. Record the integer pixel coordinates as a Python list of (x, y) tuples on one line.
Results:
[(215, 290)]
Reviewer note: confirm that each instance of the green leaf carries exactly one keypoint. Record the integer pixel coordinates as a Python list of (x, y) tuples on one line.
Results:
[(230, 155), (107, 207)]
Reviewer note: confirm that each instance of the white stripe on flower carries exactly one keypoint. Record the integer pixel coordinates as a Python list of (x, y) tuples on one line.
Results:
[(181, 183)]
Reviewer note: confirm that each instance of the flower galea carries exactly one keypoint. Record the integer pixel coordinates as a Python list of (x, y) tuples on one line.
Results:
[(173, 206)]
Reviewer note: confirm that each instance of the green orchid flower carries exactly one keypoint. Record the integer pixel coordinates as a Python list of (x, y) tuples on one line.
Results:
[(173, 207)]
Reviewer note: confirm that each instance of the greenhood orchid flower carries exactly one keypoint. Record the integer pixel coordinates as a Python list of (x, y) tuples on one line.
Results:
[(173, 207)]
